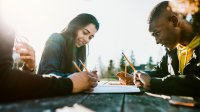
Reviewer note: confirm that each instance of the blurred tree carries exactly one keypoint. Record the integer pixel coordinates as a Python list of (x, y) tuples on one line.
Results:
[(101, 67), (122, 62), (109, 74), (111, 68), (132, 58), (150, 64)]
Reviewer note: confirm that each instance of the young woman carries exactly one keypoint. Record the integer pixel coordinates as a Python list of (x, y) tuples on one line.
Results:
[(69, 45)]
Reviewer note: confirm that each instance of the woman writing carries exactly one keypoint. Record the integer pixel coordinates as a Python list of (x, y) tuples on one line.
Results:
[(69, 45)]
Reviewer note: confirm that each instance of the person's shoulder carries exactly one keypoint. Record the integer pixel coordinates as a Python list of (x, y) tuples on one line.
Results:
[(56, 37)]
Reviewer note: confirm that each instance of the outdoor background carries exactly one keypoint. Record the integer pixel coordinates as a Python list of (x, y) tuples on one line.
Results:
[(123, 27)]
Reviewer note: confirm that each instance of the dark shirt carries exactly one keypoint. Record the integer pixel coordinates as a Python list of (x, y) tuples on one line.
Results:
[(21, 85), (166, 82)]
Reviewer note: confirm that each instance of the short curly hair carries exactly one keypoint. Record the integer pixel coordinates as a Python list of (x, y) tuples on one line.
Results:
[(158, 10)]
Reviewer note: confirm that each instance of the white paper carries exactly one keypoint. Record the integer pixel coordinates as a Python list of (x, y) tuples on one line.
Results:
[(115, 89)]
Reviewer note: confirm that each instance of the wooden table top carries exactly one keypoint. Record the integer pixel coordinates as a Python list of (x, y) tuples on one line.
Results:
[(121, 102)]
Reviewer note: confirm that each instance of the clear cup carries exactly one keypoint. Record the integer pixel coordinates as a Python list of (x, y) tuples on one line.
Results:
[(17, 62)]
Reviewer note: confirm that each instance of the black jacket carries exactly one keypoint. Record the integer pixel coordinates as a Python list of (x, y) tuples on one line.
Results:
[(166, 81), (20, 85)]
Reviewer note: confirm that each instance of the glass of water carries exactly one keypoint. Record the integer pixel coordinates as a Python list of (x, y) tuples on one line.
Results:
[(18, 63)]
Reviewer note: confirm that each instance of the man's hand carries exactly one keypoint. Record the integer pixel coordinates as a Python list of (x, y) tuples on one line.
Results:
[(142, 79), (125, 79), (83, 81)]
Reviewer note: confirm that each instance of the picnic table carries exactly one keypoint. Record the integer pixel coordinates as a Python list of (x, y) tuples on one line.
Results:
[(109, 102)]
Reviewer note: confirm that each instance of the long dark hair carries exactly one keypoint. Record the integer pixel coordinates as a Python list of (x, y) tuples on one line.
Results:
[(70, 34)]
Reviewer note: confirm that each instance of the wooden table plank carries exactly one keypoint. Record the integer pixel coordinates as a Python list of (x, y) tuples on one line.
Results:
[(139, 102), (144, 103), (48, 104), (104, 102)]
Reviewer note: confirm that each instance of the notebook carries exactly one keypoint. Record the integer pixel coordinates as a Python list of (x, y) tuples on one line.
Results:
[(115, 89)]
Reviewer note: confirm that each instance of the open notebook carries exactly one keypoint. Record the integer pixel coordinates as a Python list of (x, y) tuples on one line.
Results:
[(115, 88)]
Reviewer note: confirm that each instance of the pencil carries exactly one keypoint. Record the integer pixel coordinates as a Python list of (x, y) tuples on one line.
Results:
[(125, 69), (84, 66), (76, 66), (133, 68)]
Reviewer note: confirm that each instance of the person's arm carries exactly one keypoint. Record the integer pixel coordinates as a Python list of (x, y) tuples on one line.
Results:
[(173, 85), (141, 77), (51, 59), (21, 85), (185, 85)]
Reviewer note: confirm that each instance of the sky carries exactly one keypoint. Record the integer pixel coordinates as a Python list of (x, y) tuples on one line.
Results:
[(123, 26)]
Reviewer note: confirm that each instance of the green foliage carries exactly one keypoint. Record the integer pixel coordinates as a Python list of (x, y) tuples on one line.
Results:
[(111, 67), (150, 64), (110, 72), (122, 63), (132, 58)]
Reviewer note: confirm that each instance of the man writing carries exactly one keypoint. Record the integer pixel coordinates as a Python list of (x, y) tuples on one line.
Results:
[(179, 70)]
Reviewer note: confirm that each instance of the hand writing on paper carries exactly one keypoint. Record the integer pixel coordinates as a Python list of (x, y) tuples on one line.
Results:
[(94, 73), (125, 79), (142, 79), (83, 81)]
